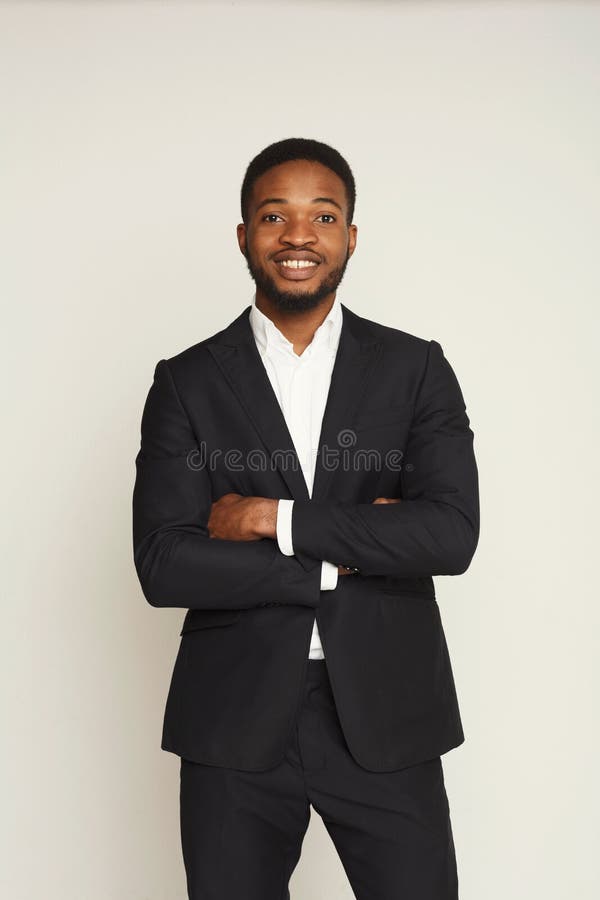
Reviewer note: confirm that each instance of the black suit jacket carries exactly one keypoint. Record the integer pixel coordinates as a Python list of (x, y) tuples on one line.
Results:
[(212, 424)]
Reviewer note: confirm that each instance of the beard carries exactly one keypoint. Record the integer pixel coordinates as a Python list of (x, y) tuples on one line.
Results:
[(295, 301)]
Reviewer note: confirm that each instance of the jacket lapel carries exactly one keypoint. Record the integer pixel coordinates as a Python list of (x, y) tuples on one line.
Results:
[(354, 365), (235, 352)]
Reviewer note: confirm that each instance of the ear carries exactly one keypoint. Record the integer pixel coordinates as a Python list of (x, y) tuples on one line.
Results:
[(352, 236), (241, 236)]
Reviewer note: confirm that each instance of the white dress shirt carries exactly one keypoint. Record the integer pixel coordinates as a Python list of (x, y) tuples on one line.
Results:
[(301, 385)]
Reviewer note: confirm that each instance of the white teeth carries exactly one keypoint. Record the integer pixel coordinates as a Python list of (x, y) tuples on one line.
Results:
[(297, 263)]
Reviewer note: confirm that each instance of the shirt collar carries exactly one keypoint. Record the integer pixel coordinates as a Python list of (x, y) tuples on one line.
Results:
[(268, 337)]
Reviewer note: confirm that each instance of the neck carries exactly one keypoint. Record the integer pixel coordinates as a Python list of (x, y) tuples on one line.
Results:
[(298, 327)]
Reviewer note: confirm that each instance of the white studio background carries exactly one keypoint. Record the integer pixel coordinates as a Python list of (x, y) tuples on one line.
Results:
[(473, 132)]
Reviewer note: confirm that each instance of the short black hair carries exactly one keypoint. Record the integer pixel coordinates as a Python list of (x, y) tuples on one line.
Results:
[(290, 150)]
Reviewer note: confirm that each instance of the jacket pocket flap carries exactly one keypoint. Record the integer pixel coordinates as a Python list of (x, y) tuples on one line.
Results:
[(208, 618)]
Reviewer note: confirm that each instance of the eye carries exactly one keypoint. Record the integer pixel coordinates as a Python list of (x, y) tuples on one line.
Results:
[(271, 217), (327, 216)]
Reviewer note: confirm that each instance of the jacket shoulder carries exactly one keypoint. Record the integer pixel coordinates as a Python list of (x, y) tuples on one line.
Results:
[(198, 355), (391, 337)]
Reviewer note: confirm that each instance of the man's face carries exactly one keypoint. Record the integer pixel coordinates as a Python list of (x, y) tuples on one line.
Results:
[(296, 241)]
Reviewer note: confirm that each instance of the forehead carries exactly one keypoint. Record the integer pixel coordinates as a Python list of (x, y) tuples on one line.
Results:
[(301, 180)]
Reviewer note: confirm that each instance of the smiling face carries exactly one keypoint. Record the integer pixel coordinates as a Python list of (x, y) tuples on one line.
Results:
[(296, 241)]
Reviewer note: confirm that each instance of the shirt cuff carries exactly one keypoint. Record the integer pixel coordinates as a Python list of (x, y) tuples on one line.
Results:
[(329, 576), (283, 527)]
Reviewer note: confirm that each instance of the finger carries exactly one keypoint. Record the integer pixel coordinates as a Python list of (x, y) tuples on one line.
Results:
[(227, 498)]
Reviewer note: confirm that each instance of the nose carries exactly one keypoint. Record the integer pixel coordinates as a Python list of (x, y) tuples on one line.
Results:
[(298, 232)]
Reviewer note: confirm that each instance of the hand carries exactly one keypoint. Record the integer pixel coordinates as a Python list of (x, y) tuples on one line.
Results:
[(234, 517)]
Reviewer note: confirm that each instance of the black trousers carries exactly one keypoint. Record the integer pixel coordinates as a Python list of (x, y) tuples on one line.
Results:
[(242, 831)]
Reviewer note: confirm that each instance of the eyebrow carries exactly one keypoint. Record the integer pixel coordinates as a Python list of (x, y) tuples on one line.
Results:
[(282, 200)]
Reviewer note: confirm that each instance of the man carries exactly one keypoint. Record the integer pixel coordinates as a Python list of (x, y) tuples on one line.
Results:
[(302, 475)]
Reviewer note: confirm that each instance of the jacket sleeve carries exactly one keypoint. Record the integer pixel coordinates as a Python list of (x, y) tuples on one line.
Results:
[(177, 562), (434, 530)]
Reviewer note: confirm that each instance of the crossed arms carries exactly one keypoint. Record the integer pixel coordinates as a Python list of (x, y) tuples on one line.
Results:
[(182, 562)]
